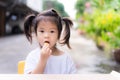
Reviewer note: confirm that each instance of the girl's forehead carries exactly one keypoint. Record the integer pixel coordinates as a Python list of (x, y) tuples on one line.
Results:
[(47, 24)]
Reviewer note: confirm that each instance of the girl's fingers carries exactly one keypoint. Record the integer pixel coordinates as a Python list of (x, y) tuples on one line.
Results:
[(48, 50), (45, 46)]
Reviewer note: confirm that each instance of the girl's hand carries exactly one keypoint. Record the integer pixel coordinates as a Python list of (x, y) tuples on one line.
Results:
[(45, 52)]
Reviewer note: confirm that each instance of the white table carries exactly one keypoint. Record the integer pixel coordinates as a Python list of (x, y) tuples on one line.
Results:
[(58, 77)]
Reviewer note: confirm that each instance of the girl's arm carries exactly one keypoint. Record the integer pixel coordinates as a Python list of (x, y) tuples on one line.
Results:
[(45, 53), (39, 68)]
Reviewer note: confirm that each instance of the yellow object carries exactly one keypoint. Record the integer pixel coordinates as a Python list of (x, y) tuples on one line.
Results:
[(21, 65)]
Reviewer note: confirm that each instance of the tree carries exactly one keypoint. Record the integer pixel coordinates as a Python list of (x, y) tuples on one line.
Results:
[(47, 4), (80, 6), (106, 4)]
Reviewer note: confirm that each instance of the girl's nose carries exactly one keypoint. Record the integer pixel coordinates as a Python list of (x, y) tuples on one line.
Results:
[(46, 34)]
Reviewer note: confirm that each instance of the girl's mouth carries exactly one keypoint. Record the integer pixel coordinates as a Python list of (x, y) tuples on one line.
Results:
[(47, 42)]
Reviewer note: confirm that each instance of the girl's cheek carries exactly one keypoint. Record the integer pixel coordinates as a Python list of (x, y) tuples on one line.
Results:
[(40, 45)]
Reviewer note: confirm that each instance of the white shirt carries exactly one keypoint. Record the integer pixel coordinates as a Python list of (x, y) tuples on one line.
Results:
[(62, 64)]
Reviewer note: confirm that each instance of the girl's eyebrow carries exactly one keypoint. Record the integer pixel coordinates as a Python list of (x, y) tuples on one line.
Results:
[(50, 28), (53, 28), (40, 28)]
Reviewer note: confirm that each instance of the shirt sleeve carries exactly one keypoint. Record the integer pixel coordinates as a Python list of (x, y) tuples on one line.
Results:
[(72, 67), (29, 63)]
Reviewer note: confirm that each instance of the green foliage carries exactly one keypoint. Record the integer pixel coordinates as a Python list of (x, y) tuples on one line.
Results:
[(56, 5), (80, 6), (101, 4), (106, 4), (60, 8), (104, 25)]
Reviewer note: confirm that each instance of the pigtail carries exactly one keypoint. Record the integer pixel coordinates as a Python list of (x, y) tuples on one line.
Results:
[(68, 23), (28, 26)]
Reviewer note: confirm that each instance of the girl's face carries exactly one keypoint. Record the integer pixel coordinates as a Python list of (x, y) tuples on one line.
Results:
[(47, 32)]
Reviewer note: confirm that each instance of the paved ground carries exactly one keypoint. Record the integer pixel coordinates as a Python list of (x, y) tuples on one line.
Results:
[(15, 48)]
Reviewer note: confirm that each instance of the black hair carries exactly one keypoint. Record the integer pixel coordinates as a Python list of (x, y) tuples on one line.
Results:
[(32, 20)]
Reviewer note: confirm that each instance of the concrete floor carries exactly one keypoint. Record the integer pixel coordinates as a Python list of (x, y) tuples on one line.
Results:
[(13, 49)]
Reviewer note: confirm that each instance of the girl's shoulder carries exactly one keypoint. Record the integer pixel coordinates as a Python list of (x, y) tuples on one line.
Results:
[(67, 54), (34, 52)]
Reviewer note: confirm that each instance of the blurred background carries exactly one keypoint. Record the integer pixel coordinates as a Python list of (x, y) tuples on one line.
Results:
[(95, 36)]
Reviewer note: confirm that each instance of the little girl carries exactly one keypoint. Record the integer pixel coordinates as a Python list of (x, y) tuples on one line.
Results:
[(47, 58)]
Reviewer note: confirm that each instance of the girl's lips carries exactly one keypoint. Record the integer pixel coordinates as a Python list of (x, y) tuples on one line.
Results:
[(46, 42)]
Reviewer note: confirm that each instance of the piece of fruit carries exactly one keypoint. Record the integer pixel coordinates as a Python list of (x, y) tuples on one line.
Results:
[(46, 43)]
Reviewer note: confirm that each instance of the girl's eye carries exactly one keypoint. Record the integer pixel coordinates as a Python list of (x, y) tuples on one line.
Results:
[(42, 31), (52, 31)]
